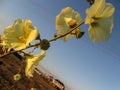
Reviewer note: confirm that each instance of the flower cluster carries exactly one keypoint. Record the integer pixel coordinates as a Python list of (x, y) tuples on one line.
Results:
[(18, 36)]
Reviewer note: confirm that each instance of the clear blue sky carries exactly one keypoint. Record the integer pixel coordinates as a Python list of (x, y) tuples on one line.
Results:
[(79, 64)]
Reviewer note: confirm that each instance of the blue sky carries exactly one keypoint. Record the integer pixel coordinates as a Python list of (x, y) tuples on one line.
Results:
[(79, 64)]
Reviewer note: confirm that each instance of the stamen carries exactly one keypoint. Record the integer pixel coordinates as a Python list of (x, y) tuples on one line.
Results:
[(22, 38)]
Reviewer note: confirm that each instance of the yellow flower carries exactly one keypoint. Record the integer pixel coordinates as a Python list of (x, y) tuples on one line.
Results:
[(66, 20), (19, 35), (100, 20), (32, 61), (17, 77)]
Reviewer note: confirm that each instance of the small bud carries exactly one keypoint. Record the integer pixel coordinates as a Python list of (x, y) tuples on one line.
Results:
[(55, 35), (44, 44)]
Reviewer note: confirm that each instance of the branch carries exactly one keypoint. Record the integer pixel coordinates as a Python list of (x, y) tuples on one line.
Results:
[(37, 44), (11, 52), (54, 39)]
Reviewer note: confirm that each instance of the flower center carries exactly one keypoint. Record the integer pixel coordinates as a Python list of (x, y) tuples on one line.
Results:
[(71, 23), (94, 21), (22, 38)]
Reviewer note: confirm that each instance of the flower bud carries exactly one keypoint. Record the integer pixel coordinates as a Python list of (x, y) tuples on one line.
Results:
[(44, 44), (79, 34)]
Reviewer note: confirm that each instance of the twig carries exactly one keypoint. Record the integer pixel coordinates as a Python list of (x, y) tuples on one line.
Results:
[(11, 52), (37, 44)]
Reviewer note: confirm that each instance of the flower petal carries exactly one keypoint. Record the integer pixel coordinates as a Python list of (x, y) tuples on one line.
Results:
[(97, 34), (96, 8), (68, 11), (32, 61), (60, 20), (101, 31), (108, 10), (32, 36)]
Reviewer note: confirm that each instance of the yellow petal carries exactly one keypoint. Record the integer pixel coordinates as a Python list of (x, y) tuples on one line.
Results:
[(32, 36), (108, 10), (98, 35), (101, 32), (96, 8), (32, 61), (60, 20), (77, 17), (106, 23), (67, 11)]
